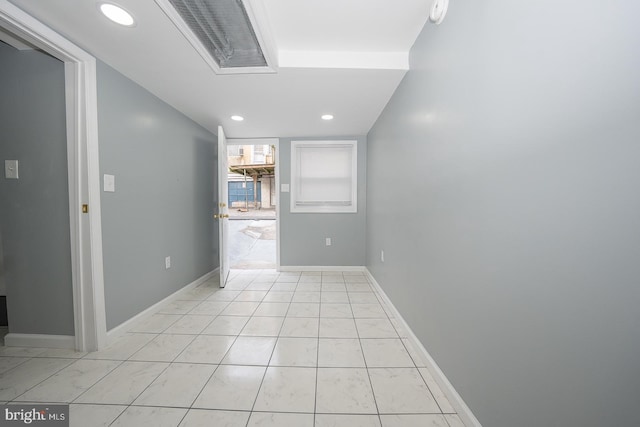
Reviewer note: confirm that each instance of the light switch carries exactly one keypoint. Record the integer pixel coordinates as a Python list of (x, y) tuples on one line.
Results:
[(284, 188), (11, 169), (109, 183)]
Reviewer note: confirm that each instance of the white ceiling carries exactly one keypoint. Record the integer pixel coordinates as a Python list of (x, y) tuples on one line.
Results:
[(344, 57)]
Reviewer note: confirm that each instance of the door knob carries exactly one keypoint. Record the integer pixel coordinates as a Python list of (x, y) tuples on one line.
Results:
[(216, 216)]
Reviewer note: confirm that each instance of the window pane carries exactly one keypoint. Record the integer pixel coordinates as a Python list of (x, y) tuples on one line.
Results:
[(323, 175)]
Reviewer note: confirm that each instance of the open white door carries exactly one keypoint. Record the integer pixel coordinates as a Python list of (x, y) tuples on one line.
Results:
[(223, 212)]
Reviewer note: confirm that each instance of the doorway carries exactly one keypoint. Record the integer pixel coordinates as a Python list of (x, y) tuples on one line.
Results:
[(36, 273), (84, 221), (252, 201)]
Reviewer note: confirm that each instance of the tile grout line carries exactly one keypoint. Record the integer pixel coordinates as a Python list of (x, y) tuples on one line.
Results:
[(221, 359), (315, 400), (45, 379), (170, 363), (214, 371), (163, 371), (411, 357), (27, 359), (268, 365), (366, 368), (266, 368), (101, 378)]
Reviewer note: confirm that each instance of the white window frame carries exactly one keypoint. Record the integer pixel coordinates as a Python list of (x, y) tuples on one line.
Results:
[(319, 206)]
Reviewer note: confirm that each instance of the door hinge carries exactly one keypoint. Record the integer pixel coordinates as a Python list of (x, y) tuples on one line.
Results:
[(85, 208)]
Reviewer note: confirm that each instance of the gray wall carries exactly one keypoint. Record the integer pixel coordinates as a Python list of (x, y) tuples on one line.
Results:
[(34, 210), (516, 257), (165, 173), (302, 235), (3, 286)]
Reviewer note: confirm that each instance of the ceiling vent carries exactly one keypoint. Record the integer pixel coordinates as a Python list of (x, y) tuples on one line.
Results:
[(225, 33)]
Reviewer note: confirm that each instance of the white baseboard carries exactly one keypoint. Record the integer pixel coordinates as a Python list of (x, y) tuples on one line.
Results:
[(321, 268), (122, 328), (40, 340), (463, 411)]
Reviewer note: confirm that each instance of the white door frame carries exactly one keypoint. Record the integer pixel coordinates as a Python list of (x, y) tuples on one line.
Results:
[(222, 208), (84, 172), (276, 143)]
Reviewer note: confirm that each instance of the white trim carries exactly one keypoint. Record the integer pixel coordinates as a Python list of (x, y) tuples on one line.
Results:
[(39, 340), (276, 143), (122, 328), (84, 179), (93, 238), (74, 166), (349, 60), (14, 41), (322, 268), (463, 411), (257, 13), (223, 209)]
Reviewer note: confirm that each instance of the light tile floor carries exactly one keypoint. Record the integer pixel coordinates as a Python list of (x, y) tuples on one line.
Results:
[(276, 349)]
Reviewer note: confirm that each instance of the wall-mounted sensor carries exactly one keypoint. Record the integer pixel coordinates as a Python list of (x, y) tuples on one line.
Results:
[(438, 11)]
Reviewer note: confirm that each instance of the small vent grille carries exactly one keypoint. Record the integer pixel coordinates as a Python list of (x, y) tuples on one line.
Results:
[(224, 29)]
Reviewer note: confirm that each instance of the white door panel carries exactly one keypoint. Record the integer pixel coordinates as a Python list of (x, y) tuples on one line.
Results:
[(223, 211)]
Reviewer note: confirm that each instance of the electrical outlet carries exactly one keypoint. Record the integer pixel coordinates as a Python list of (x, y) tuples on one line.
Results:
[(328, 241), (381, 256), (167, 262)]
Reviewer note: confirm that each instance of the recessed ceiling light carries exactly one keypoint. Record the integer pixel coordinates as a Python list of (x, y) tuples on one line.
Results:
[(327, 117), (237, 118), (117, 14)]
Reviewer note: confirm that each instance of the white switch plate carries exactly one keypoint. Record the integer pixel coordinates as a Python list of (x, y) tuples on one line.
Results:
[(11, 169), (284, 188), (328, 241), (381, 256), (109, 183), (167, 262)]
